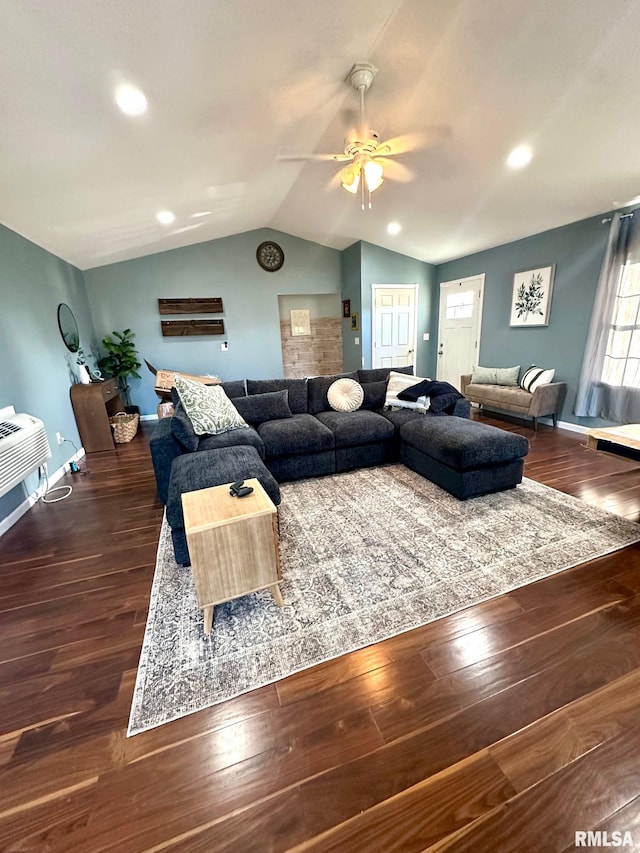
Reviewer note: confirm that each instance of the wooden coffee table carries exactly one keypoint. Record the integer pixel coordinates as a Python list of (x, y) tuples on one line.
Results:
[(233, 545)]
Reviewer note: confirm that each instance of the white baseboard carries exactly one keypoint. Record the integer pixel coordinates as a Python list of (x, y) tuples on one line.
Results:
[(148, 417), (572, 427), (549, 421), (32, 499)]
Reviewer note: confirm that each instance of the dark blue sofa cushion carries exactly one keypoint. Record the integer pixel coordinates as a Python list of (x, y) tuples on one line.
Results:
[(318, 387), (399, 417), (297, 389), (380, 374), (374, 395), (294, 436), (182, 428), (234, 389), (351, 429), (243, 437), (258, 408)]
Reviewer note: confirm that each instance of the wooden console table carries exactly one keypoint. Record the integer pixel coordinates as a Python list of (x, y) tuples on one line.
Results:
[(92, 406), (233, 545)]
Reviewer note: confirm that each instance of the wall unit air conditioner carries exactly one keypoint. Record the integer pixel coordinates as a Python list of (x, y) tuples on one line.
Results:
[(23, 448)]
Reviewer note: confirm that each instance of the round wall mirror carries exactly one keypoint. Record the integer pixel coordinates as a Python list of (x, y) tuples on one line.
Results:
[(68, 327)]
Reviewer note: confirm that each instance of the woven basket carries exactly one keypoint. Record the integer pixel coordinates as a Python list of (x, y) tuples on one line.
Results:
[(124, 427)]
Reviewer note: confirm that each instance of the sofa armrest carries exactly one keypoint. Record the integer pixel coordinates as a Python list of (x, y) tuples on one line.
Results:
[(464, 381), (548, 399), (164, 449)]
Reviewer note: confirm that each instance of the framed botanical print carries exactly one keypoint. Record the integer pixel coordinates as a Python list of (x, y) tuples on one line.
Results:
[(531, 298)]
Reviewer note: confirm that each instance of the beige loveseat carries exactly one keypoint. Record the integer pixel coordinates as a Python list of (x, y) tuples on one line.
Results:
[(545, 400)]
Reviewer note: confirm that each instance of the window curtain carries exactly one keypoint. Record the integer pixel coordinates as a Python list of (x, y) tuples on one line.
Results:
[(619, 403)]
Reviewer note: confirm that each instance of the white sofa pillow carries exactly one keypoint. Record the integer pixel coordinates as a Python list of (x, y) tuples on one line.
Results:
[(535, 376), (345, 395)]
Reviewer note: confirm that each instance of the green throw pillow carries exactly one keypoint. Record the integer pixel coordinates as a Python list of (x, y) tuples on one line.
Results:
[(208, 408), (495, 375)]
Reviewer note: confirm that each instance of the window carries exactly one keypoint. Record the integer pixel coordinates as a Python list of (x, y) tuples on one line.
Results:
[(459, 305), (621, 365)]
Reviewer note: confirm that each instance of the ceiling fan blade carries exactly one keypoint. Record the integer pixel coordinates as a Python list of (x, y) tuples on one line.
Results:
[(413, 141), (337, 158), (334, 181), (396, 171)]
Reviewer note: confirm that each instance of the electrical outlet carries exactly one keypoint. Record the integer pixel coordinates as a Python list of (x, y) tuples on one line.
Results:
[(59, 438), (224, 347)]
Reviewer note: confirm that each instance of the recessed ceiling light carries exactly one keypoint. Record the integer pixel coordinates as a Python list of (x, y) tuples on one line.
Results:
[(165, 217), (394, 228), (130, 100), (519, 157)]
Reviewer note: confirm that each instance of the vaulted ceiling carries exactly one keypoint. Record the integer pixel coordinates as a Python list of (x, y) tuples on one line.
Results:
[(231, 85)]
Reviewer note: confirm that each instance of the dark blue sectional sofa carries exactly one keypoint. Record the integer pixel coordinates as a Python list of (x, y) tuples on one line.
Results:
[(313, 441)]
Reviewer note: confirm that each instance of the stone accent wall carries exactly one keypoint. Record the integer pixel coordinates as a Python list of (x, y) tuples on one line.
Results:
[(314, 354)]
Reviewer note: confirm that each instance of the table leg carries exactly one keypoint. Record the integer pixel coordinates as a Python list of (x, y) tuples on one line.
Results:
[(208, 619), (275, 592)]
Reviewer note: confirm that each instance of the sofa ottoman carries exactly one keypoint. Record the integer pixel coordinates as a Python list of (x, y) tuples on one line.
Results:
[(464, 457), (193, 471)]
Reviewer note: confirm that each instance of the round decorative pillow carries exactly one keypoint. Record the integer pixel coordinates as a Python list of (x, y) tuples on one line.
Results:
[(345, 395)]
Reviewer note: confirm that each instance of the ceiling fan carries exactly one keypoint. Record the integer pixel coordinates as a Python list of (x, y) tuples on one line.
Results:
[(366, 156)]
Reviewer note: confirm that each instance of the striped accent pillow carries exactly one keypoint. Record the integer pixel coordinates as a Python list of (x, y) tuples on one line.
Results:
[(535, 376)]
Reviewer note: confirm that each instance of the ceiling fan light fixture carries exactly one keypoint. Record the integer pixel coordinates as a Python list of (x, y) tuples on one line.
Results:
[(373, 174), (350, 177)]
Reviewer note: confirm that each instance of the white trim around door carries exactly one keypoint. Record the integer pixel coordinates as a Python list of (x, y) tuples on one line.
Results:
[(459, 327), (394, 324)]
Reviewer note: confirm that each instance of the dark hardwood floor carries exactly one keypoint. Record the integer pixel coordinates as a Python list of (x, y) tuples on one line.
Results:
[(508, 726)]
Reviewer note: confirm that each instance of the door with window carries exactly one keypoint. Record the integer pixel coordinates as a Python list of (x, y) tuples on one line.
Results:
[(394, 325), (460, 317)]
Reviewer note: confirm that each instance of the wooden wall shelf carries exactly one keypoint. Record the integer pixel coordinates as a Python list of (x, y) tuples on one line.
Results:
[(178, 328), (191, 306)]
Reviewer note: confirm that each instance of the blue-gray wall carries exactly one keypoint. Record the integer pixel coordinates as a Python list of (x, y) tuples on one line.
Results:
[(125, 295), (37, 368), (351, 289), (381, 266), (577, 251)]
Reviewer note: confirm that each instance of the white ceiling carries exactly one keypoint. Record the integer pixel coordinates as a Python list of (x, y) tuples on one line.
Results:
[(233, 84)]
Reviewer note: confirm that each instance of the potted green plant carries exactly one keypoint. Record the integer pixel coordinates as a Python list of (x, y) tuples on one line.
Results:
[(121, 361)]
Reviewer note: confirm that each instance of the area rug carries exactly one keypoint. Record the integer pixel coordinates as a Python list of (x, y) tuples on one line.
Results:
[(365, 556)]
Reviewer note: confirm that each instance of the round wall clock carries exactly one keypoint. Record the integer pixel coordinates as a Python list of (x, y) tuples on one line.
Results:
[(270, 256)]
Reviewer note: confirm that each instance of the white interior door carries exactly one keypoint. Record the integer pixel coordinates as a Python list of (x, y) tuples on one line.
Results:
[(394, 325), (459, 328)]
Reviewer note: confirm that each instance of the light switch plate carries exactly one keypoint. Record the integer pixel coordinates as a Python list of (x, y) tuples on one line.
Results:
[(356, 341), (425, 337)]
